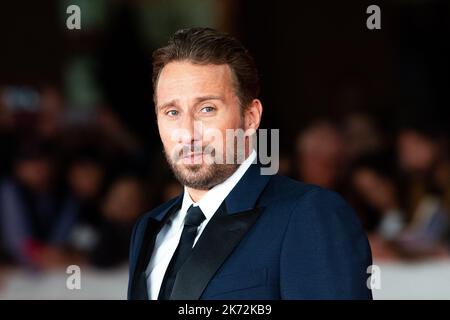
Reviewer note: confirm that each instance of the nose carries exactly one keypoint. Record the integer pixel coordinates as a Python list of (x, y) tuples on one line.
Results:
[(190, 130)]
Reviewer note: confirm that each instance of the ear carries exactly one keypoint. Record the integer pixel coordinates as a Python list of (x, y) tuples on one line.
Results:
[(252, 115)]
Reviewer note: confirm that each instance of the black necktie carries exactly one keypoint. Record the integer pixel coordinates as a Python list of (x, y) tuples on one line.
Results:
[(194, 218)]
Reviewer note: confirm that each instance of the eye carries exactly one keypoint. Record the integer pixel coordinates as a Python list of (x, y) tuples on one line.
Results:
[(172, 113), (207, 109)]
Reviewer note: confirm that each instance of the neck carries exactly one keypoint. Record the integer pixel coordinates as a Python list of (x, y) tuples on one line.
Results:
[(196, 194)]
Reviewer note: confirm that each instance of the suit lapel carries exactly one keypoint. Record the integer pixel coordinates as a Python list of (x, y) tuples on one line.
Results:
[(139, 289), (221, 235)]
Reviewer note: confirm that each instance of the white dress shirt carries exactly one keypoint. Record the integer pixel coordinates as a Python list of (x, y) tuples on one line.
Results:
[(170, 234)]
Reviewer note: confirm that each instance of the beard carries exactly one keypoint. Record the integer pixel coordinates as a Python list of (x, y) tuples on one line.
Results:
[(202, 176)]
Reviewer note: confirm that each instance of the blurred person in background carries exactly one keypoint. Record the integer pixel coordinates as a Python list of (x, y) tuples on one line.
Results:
[(361, 134), (53, 182), (125, 200), (321, 155), (85, 174), (407, 190), (423, 162), (376, 190), (32, 209)]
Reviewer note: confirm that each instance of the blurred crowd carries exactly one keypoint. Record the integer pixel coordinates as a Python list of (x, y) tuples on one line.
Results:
[(72, 184), (398, 181)]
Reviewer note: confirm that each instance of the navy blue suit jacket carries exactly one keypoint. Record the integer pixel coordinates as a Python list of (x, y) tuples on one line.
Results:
[(272, 238)]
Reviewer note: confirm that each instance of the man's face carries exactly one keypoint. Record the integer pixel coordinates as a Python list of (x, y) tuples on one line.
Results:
[(191, 101)]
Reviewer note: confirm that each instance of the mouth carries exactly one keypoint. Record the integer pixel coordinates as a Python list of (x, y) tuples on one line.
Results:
[(193, 158)]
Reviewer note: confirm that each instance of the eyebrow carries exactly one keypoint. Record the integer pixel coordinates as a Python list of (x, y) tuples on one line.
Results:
[(197, 100), (209, 97), (164, 105)]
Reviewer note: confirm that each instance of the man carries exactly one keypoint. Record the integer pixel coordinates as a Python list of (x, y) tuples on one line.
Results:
[(235, 233)]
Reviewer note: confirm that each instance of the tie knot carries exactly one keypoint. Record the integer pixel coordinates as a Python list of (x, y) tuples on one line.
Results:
[(194, 216)]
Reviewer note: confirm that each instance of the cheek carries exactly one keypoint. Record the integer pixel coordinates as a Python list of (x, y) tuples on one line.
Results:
[(165, 133), (215, 132), (230, 121)]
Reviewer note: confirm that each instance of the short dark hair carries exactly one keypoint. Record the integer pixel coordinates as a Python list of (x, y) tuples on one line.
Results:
[(208, 46)]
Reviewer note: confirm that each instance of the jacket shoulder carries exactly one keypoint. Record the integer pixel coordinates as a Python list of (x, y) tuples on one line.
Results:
[(308, 202), (282, 188)]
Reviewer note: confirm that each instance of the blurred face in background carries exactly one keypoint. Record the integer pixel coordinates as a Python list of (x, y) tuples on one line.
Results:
[(321, 152), (189, 93), (376, 190), (124, 200), (85, 179), (34, 173), (415, 151)]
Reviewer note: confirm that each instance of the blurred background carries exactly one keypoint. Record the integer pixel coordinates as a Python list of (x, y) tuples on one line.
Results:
[(363, 112)]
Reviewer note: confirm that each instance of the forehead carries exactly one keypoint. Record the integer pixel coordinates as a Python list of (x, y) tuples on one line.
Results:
[(184, 80)]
